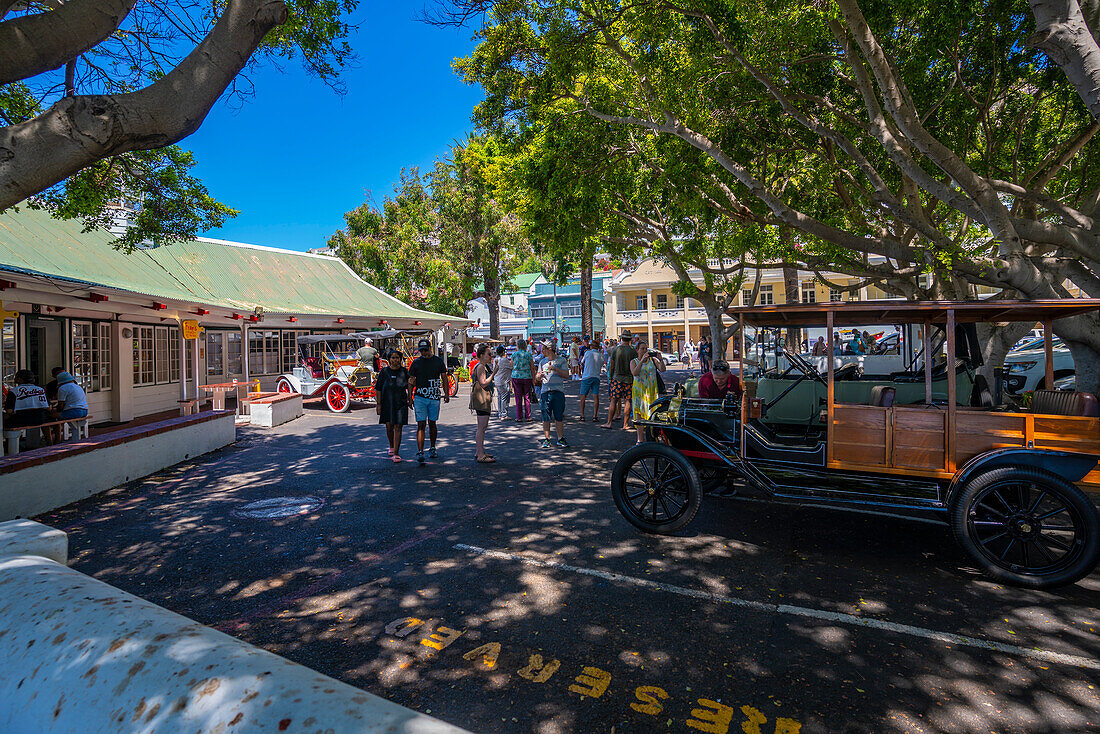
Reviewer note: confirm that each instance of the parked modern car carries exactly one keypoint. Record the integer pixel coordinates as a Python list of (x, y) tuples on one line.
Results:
[(671, 358), (1025, 366)]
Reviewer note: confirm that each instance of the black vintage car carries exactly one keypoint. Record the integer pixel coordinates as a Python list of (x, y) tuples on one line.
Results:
[(928, 439)]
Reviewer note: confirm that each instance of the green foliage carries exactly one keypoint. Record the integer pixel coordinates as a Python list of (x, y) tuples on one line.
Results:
[(173, 204)]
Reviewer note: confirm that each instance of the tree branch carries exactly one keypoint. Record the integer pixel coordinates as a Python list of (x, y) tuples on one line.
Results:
[(33, 44), (1061, 32), (77, 131)]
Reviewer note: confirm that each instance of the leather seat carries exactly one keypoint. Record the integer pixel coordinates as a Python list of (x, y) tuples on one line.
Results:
[(1064, 402), (314, 365), (882, 396)]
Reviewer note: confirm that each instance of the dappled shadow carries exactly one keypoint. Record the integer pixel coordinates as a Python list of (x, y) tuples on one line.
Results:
[(321, 589)]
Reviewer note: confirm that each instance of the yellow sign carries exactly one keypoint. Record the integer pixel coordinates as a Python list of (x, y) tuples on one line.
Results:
[(5, 314), (191, 329)]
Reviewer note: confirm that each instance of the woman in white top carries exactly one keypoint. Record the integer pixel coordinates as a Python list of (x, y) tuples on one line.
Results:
[(502, 380)]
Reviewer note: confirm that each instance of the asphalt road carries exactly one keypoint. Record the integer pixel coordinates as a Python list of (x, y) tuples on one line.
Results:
[(514, 598)]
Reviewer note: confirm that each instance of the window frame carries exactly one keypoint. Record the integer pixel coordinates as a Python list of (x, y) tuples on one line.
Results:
[(96, 354)]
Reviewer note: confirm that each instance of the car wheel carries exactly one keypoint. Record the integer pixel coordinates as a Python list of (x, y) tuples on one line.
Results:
[(656, 488), (337, 397), (284, 385), (1027, 527)]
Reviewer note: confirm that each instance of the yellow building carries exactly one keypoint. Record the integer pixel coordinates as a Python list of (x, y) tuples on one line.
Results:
[(642, 302)]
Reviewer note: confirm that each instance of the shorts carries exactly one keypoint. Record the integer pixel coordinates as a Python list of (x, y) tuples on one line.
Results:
[(482, 412), (590, 386), (552, 404), (426, 409), (70, 413), (620, 390)]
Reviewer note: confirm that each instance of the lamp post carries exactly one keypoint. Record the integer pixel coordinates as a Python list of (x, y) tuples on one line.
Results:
[(557, 315)]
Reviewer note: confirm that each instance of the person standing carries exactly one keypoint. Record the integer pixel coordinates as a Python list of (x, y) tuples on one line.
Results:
[(621, 378), (704, 355), (502, 381), (540, 359), (575, 358), (523, 372), (820, 348), (591, 366), (391, 400), (481, 400), (426, 376), (644, 392), (551, 378)]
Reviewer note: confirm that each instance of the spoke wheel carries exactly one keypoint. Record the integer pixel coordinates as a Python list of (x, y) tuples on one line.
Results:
[(1028, 527), (337, 397), (284, 385), (452, 385), (656, 488)]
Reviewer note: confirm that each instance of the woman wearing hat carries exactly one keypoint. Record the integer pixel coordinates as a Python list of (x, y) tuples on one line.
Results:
[(72, 401)]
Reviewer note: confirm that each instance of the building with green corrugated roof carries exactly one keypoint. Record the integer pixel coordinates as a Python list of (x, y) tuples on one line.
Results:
[(114, 319)]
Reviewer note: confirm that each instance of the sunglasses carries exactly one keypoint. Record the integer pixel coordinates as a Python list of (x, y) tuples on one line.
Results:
[(720, 368)]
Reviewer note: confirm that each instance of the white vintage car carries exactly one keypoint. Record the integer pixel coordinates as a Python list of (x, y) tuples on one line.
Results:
[(328, 368)]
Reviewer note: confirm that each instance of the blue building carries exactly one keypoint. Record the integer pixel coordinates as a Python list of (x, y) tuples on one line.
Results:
[(542, 317)]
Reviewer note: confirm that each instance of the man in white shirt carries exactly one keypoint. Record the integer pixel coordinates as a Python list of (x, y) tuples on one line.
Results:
[(591, 365), (72, 401)]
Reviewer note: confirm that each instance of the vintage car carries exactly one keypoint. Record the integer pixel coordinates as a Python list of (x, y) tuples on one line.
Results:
[(328, 368), (928, 441)]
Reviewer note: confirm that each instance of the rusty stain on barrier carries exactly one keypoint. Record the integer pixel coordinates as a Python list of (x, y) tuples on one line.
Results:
[(710, 716)]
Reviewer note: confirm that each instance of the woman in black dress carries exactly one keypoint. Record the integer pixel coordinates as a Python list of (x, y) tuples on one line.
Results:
[(391, 390)]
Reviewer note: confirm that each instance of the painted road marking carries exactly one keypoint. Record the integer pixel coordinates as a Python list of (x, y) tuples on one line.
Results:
[(787, 609)]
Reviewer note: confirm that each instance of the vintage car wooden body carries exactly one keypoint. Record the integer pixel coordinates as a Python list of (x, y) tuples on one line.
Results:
[(1008, 481)]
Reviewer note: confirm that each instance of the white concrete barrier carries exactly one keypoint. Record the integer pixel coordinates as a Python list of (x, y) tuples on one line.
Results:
[(35, 482), (275, 411), (82, 656)]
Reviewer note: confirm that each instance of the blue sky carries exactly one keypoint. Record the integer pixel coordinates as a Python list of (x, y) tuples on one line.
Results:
[(295, 157)]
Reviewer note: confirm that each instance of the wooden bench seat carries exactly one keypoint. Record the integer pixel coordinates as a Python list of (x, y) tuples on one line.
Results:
[(12, 435)]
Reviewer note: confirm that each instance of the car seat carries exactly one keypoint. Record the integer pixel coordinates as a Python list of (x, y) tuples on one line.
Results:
[(314, 365), (1064, 402), (882, 396), (980, 395)]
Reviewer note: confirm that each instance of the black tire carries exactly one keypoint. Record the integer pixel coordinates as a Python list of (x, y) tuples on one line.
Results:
[(656, 488), (998, 518)]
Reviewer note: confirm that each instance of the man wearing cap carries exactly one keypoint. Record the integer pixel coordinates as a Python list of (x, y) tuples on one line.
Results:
[(367, 354), (426, 388), (72, 401), (622, 380), (718, 383)]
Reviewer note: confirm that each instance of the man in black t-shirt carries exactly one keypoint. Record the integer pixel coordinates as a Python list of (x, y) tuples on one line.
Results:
[(427, 385)]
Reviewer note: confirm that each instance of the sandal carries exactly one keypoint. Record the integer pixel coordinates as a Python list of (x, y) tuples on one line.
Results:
[(389, 451), (396, 459), (486, 460)]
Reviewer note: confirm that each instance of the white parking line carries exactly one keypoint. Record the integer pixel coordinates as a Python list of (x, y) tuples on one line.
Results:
[(822, 614)]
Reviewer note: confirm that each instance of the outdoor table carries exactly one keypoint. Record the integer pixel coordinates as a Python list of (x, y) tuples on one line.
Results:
[(219, 390)]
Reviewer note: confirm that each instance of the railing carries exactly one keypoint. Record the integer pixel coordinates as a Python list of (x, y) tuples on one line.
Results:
[(631, 315)]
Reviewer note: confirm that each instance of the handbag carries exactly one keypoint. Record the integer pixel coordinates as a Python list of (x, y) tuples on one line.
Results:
[(481, 398)]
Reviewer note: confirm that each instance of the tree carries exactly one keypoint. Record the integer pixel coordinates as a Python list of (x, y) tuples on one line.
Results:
[(485, 241), (397, 248), (902, 138), (91, 89)]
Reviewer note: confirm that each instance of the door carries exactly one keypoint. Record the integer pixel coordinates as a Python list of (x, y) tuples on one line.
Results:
[(45, 347), (215, 357)]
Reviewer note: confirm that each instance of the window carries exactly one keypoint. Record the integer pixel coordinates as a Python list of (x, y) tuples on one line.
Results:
[(835, 295), (746, 297), (156, 355), (8, 358), (91, 355), (233, 353), (809, 292), (264, 352), (542, 311), (570, 310), (679, 301), (215, 354), (640, 303), (767, 298), (290, 350), (662, 300), (143, 356)]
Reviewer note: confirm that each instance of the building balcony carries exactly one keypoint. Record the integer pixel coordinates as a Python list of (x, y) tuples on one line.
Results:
[(662, 315)]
